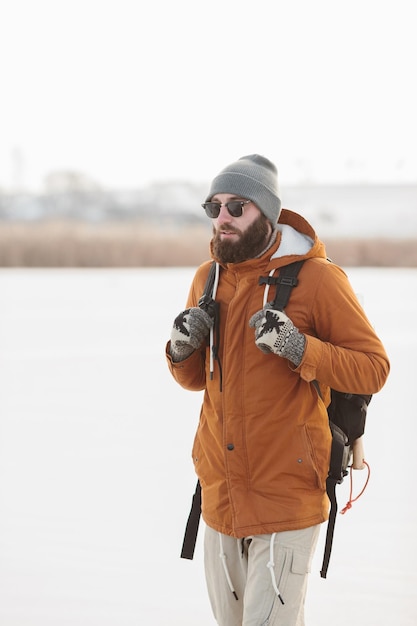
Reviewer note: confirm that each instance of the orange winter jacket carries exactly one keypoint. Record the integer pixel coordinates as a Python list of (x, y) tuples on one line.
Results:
[(262, 446)]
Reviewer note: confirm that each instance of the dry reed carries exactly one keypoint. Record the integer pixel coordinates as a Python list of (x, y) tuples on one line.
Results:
[(140, 244)]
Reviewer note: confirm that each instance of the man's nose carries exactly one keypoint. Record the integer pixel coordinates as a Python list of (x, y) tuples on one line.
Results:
[(224, 216)]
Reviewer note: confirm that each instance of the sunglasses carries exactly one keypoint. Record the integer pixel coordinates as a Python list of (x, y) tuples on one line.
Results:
[(235, 207)]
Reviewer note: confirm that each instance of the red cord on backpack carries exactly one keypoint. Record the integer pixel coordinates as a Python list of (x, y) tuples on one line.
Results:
[(352, 500)]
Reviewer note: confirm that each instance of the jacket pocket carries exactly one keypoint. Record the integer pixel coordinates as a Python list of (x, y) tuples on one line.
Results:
[(317, 456), (200, 461)]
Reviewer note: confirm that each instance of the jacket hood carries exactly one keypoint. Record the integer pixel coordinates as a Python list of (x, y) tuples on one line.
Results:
[(297, 238)]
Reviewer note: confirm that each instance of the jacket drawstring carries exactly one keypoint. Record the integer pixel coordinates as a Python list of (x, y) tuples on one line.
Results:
[(223, 559), (267, 285), (212, 330), (271, 566)]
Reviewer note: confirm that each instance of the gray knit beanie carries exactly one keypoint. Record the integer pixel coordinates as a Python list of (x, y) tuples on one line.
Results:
[(254, 178)]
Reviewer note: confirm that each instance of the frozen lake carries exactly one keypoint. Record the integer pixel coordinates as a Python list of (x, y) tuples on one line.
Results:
[(95, 470)]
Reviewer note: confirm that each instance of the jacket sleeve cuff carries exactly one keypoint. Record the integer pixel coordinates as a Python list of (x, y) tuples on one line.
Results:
[(189, 373), (313, 354)]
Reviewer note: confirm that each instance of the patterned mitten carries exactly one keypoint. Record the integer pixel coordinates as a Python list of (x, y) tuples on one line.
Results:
[(190, 329), (275, 332)]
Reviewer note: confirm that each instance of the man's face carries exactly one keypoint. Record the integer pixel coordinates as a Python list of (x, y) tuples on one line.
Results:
[(236, 239)]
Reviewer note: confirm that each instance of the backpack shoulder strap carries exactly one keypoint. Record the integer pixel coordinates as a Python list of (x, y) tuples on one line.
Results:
[(285, 281), (331, 492), (206, 299), (191, 530), (193, 522)]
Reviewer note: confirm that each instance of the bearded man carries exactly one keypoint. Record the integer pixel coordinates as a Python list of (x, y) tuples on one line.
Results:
[(262, 446)]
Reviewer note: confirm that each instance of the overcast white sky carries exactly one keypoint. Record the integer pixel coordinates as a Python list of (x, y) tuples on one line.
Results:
[(131, 91)]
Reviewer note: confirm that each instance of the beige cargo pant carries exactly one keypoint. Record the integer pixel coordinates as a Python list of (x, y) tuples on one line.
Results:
[(260, 580)]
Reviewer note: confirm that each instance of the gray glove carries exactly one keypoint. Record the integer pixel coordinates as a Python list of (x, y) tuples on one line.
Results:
[(190, 329), (275, 332)]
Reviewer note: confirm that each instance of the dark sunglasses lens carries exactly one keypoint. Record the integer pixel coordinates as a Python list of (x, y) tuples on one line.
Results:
[(235, 208), (212, 209)]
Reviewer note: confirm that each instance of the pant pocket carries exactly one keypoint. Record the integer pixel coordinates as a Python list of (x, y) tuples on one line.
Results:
[(301, 562), (292, 567)]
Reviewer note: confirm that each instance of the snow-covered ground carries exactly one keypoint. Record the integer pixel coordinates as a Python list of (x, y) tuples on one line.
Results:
[(95, 471)]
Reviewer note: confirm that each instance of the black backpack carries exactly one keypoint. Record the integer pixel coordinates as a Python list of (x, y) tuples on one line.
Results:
[(346, 411)]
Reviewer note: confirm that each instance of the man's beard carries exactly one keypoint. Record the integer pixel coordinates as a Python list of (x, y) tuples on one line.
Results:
[(248, 245)]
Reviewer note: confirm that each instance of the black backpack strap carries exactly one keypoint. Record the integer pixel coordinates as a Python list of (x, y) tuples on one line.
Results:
[(331, 492), (339, 459), (285, 281), (206, 301), (193, 522)]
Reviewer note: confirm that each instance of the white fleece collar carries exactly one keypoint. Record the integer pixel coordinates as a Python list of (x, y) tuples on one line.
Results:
[(292, 242)]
